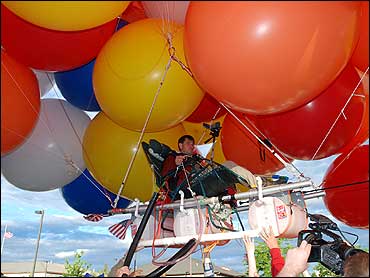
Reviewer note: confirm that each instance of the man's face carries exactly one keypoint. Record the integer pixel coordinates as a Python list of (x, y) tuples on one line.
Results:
[(187, 147)]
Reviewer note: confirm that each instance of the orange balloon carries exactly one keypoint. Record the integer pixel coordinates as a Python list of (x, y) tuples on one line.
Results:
[(360, 57), (240, 146), (20, 102), (268, 57)]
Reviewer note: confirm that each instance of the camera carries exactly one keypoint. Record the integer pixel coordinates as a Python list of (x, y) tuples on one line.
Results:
[(215, 130), (330, 253)]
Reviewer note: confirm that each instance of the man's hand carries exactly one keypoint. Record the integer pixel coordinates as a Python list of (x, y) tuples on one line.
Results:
[(123, 270), (179, 159), (296, 260), (268, 237)]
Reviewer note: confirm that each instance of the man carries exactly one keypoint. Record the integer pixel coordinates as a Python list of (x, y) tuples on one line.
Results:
[(178, 167), (357, 265), (296, 260), (172, 164)]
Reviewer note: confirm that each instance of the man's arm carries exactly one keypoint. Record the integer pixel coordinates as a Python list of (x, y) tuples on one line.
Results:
[(296, 260), (168, 165)]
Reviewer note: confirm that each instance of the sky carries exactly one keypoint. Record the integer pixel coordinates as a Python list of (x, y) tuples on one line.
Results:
[(65, 231)]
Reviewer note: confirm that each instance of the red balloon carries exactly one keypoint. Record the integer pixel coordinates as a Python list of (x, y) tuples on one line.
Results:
[(206, 110), (243, 148), (134, 12), (363, 132), (265, 57), (360, 57), (51, 50), (299, 133), (349, 204), (20, 103)]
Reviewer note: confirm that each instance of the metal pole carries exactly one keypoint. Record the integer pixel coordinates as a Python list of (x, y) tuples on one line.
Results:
[(46, 268), (308, 196), (2, 243), (38, 241), (213, 200)]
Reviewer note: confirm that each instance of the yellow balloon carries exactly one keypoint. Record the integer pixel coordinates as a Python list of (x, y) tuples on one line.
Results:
[(128, 71), (201, 134), (67, 15), (108, 149)]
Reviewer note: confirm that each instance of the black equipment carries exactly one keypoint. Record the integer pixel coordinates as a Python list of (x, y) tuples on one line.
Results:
[(140, 231), (331, 254), (163, 269), (215, 131)]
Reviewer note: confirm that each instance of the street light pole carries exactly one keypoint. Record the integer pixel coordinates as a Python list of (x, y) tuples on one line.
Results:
[(38, 240)]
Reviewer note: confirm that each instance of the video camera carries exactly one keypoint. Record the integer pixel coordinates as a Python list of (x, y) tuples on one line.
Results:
[(331, 254), (215, 130)]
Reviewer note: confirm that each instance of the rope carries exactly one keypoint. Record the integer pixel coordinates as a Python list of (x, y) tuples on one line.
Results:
[(142, 132), (290, 167), (334, 187), (105, 193), (340, 113)]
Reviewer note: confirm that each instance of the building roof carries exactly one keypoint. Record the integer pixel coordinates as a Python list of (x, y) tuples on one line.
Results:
[(26, 267), (182, 268)]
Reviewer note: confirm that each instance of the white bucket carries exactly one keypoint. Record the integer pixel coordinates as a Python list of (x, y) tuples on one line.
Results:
[(285, 221), (152, 226), (186, 223)]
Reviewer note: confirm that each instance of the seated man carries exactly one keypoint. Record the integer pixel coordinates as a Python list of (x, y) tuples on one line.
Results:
[(211, 181), (173, 162)]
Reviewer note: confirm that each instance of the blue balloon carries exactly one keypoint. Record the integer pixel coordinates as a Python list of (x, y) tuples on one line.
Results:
[(121, 23), (76, 87), (84, 197)]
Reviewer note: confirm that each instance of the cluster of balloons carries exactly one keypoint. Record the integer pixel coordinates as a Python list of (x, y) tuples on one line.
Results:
[(275, 65)]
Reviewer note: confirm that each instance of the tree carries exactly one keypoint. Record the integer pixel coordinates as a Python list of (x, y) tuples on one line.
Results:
[(78, 267), (105, 270), (321, 271)]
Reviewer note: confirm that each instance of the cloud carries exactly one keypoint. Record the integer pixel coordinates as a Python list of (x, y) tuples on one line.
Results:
[(63, 255)]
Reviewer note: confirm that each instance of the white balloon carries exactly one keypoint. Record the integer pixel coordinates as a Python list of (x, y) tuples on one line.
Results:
[(46, 81), (43, 162), (168, 10)]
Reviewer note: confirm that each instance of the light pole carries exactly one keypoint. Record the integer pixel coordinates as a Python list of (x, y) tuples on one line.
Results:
[(38, 240)]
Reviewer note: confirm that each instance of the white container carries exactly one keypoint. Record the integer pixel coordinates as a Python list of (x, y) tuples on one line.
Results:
[(149, 228), (286, 221), (152, 226), (186, 223)]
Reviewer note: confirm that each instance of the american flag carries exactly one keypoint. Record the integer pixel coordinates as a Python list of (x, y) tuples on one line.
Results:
[(93, 217), (8, 235), (119, 229)]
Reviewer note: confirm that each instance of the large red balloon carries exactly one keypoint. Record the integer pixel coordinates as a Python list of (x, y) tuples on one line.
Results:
[(20, 103), (363, 132), (243, 148), (51, 50), (264, 57), (298, 133), (206, 110), (349, 204), (360, 57)]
